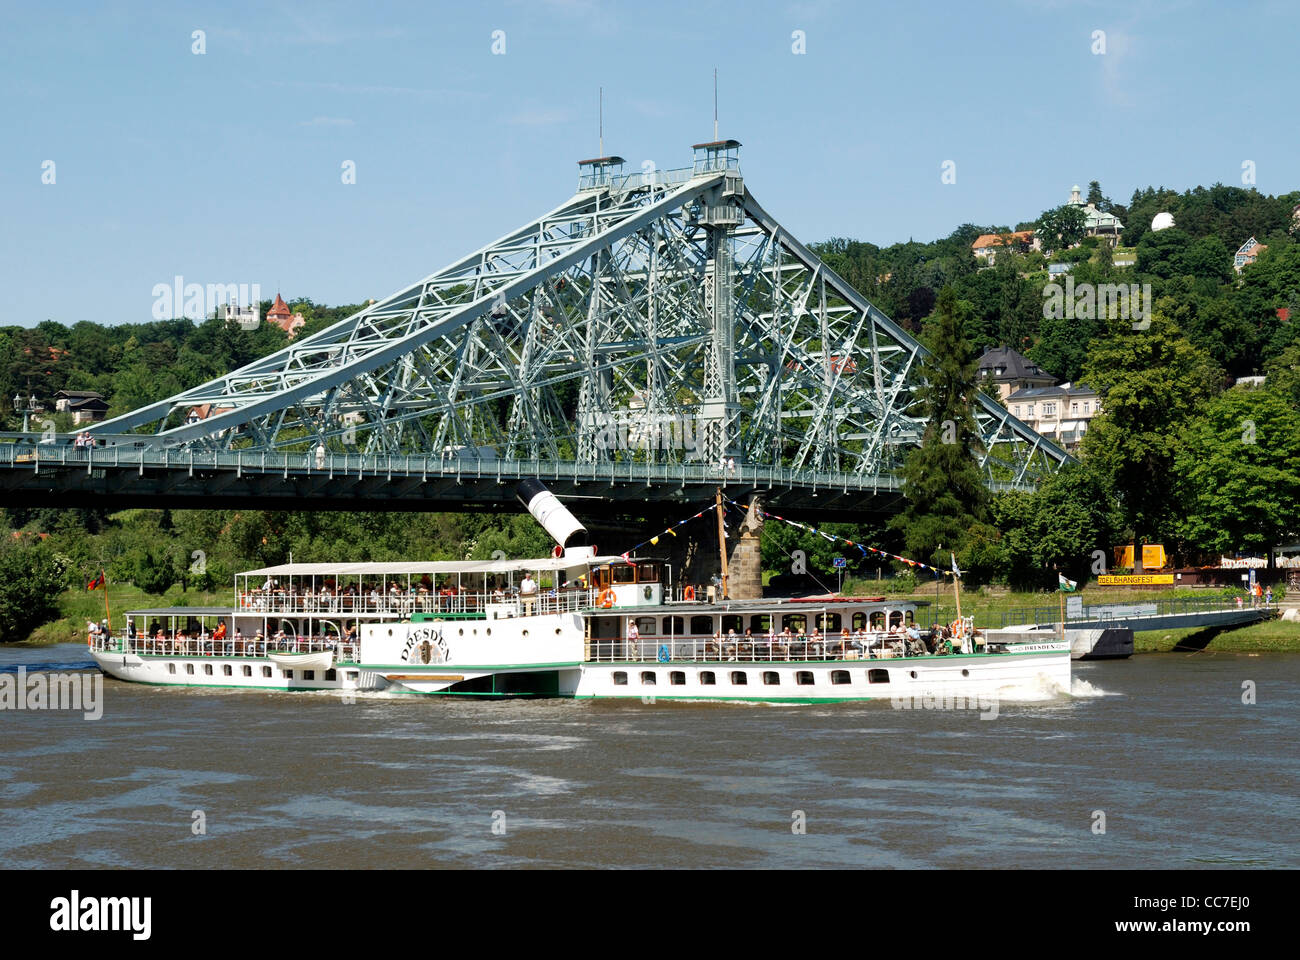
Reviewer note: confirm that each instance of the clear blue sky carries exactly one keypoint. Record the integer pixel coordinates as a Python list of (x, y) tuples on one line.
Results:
[(225, 167)]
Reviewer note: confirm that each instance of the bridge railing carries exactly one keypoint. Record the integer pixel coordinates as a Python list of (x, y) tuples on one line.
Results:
[(122, 452), (1113, 612)]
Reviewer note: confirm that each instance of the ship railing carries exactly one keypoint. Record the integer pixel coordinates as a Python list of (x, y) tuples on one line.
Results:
[(757, 650), (224, 647), (404, 605)]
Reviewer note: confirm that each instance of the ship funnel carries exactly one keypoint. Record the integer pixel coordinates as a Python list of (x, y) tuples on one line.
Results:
[(554, 516)]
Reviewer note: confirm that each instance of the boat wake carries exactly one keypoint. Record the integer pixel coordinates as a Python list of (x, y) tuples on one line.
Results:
[(1081, 688)]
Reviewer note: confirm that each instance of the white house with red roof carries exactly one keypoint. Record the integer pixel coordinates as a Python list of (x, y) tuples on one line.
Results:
[(284, 318)]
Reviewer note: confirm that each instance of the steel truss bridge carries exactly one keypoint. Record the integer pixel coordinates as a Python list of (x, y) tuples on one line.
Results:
[(624, 345)]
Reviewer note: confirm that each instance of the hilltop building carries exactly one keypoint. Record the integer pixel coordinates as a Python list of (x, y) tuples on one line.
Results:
[(1247, 253), (1096, 223), (1011, 371), (284, 318), (987, 245)]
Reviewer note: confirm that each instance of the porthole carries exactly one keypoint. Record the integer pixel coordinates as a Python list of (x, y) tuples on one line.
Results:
[(460, 632), (525, 633), (913, 674), (189, 668), (707, 678), (965, 673), (488, 631), (171, 668), (771, 678), (557, 631), (877, 676), (804, 678), (248, 671), (620, 678), (649, 678), (266, 672), (677, 678), (839, 676), (225, 669), (390, 631), (739, 678)]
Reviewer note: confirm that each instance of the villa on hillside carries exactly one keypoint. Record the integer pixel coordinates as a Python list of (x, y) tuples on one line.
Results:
[(86, 406), (1096, 223), (1247, 253), (987, 245), (284, 318), (1011, 371), (1060, 413)]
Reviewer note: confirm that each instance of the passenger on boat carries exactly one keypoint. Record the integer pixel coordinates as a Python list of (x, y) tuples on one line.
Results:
[(528, 592), (732, 645), (845, 641), (633, 640)]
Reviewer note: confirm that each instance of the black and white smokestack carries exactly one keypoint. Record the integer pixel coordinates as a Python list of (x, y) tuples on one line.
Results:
[(554, 516)]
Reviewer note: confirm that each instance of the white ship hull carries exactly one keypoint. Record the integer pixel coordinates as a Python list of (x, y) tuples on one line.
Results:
[(990, 676)]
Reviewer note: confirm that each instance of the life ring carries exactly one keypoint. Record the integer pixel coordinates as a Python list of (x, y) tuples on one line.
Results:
[(956, 628), (607, 598), (689, 594), (664, 654)]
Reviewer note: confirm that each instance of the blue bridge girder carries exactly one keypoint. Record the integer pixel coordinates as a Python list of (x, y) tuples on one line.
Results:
[(646, 329)]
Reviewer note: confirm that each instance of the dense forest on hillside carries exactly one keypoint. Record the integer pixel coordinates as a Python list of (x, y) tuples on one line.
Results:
[(1169, 412)]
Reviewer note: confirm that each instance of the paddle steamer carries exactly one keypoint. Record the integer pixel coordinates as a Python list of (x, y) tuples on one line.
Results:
[(575, 624)]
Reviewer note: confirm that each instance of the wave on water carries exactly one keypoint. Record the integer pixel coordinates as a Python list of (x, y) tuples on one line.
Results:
[(55, 667), (1082, 688)]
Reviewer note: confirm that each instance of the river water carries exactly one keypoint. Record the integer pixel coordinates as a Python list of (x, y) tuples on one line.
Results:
[(1185, 774)]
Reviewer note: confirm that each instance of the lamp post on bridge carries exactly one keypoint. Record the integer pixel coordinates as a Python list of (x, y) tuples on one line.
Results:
[(26, 408)]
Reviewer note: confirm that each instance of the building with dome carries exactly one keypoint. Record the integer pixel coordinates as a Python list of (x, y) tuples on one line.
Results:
[(1096, 223)]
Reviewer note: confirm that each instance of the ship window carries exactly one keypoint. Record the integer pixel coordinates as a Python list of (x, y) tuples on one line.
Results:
[(895, 618), (674, 625), (877, 676), (701, 625), (771, 678), (877, 620), (353, 674), (859, 621), (225, 670), (266, 671), (760, 623), (649, 678), (909, 616), (309, 674), (189, 668), (646, 625), (739, 678), (708, 678), (804, 678), (248, 671), (207, 669), (171, 668), (795, 621), (624, 573), (839, 676), (331, 675), (830, 621), (733, 622), (620, 678), (677, 678), (647, 573)]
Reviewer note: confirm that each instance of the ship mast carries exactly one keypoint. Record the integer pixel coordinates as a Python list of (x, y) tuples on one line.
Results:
[(722, 541)]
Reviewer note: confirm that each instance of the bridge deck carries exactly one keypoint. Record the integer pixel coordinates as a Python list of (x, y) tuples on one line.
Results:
[(118, 476)]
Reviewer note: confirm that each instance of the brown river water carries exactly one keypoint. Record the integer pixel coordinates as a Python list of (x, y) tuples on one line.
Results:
[(1185, 774)]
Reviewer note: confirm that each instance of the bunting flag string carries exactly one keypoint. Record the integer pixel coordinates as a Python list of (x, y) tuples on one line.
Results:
[(863, 548), (671, 531)]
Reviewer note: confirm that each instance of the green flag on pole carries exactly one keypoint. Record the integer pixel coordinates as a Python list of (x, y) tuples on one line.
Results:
[(1066, 586)]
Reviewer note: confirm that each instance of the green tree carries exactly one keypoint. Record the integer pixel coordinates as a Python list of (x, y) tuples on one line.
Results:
[(1062, 227), (946, 498), (31, 579), (1239, 472), (1151, 382)]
